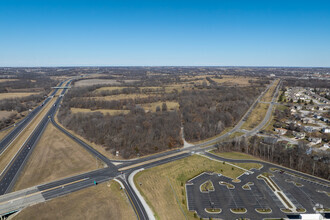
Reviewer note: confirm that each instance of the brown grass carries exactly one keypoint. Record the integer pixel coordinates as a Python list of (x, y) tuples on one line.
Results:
[(256, 116), (55, 156), (234, 80), (91, 82), (103, 111), (96, 202), (7, 155), (6, 114), (16, 95), (7, 80), (123, 96), (152, 106), (235, 155), (269, 94), (157, 183)]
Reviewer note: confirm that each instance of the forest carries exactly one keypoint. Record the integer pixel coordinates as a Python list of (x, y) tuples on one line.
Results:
[(295, 157), (206, 109)]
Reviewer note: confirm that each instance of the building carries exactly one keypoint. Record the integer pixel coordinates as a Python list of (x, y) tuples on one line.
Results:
[(309, 129), (280, 131), (326, 130), (315, 140), (299, 135)]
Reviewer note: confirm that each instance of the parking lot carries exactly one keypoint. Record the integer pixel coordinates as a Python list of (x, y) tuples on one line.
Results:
[(302, 193)]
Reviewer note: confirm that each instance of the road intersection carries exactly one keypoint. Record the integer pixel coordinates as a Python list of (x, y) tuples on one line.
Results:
[(17, 200)]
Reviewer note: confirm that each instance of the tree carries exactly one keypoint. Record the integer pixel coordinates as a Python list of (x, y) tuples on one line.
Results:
[(164, 107)]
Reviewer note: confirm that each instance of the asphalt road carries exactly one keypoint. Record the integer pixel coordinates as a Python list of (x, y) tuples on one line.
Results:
[(71, 184), (12, 171), (22, 124)]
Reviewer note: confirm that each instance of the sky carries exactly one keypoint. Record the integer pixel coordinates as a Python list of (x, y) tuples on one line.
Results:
[(165, 33)]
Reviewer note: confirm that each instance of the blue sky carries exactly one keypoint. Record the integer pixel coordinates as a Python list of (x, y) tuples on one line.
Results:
[(222, 32)]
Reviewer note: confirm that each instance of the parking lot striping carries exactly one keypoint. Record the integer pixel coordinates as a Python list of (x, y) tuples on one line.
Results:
[(279, 194)]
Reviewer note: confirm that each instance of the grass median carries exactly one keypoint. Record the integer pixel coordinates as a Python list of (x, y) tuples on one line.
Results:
[(13, 148), (55, 156), (256, 116)]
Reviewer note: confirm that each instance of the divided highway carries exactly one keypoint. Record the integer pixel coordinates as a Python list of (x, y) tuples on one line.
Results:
[(23, 123), (12, 171), (74, 183)]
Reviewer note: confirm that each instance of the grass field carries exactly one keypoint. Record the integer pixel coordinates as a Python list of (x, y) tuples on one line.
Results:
[(234, 80), (123, 96), (235, 155), (11, 95), (163, 186), (7, 80), (18, 142), (91, 82), (112, 88), (152, 106), (6, 114), (55, 156), (96, 202), (256, 116), (269, 94), (103, 111)]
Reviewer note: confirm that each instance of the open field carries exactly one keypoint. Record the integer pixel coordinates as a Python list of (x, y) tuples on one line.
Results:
[(96, 202), (6, 114), (256, 116), (7, 155), (248, 166), (55, 156), (162, 185), (234, 80), (235, 155), (269, 94), (91, 82), (103, 111), (16, 95), (122, 96), (7, 80), (152, 106), (112, 88)]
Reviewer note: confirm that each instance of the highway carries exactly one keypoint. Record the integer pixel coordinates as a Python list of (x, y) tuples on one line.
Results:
[(12, 171), (5, 142), (120, 172)]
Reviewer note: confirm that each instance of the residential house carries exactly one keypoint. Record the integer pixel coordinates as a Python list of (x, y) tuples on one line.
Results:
[(326, 130), (280, 131), (315, 140), (309, 129), (299, 135)]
